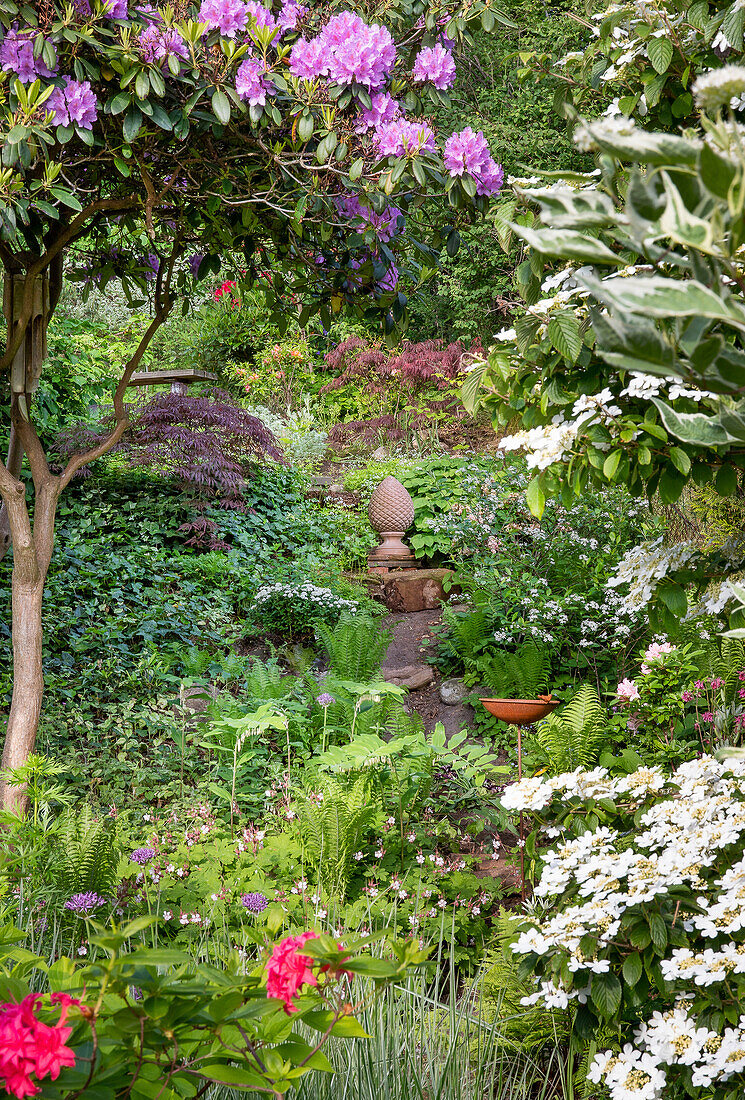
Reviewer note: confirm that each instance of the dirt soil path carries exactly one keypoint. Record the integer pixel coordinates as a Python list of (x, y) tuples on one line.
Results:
[(411, 634)]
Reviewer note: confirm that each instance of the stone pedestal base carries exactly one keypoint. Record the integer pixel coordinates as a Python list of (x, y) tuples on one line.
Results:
[(414, 589)]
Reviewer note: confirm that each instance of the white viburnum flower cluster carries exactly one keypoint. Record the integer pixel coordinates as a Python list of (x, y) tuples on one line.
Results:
[(643, 566), (553, 442), (689, 834)]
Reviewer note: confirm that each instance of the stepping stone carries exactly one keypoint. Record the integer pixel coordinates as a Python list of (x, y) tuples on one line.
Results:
[(412, 677)]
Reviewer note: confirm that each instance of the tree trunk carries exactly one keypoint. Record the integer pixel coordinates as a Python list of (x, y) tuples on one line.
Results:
[(28, 681)]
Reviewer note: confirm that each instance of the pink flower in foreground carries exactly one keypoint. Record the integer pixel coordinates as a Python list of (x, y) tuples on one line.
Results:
[(657, 649), (227, 16), (30, 1047), (627, 691), (395, 138), (287, 970)]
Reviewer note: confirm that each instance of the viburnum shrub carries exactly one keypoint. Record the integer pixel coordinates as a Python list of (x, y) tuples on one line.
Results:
[(153, 144), (147, 1021), (643, 933)]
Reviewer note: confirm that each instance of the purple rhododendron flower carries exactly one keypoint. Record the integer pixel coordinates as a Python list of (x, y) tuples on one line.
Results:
[(398, 137), (76, 102), (363, 217), (290, 15), (227, 16), (116, 9), (262, 15), (435, 65), (466, 153), (142, 855), (255, 903), (309, 60), (17, 56), (383, 108), (158, 43), (82, 8), (85, 903), (249, 82), (194, 262)]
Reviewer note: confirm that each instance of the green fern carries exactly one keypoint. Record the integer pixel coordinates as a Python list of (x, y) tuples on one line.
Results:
[(87, 853), (265, 681), (333, 829), (467, 634), (520, 675), (355, 647), (524, 1030), (571, 738)]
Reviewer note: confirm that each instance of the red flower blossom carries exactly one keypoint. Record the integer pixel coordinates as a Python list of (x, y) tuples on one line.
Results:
[(287, 970), (29, 1046)]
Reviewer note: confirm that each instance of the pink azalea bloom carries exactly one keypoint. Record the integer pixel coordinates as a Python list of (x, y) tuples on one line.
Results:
[(288, 970), (657, 649), (627, 691)]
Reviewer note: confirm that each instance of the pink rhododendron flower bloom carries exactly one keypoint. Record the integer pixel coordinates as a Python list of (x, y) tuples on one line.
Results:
[(262, 15), (398, 137), (76, 102), (158, 43), (384, 108), (309, 60), (627, 691), (249, 82), (467, 154), (116, 9), (227, 16), (656, 650), (434, 65), (290, 15), (30, 1048), (386, 224), (17, 56), (288, 970)]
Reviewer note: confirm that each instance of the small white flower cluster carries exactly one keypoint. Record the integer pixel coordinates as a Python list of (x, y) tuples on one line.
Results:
[(550, 443), (644, 565), (305, 593), (693, 823)]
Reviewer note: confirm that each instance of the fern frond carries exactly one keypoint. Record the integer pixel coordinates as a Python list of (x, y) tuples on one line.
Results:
[(355, 647)]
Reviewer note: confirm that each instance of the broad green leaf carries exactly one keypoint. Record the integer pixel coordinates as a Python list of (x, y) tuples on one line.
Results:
[(657, 296), (698, 428), (660, 52), (221, 106), (567, 244), (563, 332), (605, 993), (632, 969), (535, 497)]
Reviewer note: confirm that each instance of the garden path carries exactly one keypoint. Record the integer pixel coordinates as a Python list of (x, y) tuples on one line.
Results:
[(411, 633)]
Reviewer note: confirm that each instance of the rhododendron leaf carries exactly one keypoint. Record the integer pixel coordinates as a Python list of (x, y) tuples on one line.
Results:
[(232, 1075)]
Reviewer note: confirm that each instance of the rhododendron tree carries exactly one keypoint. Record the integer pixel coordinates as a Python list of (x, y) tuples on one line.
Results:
[(136, 136)]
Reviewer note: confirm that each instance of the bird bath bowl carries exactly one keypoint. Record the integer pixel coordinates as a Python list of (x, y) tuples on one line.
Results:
[(521, 712)]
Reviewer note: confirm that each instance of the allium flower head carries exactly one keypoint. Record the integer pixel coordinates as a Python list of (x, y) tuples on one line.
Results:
[(17, 56), (466, 153), (434, 65), (288, 970), (325, 700), (227, 16), (249, 82), (142, 855), (255, 903), (75, 102), (393, 139), (82, 904)]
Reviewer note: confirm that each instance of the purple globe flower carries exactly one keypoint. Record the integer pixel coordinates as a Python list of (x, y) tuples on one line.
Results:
[(325, 700), (85, 903), (466, 153), (249, 82), (17, 56), (75, 102), (435, 65), (254, 903), (227, 16), (142, 855)]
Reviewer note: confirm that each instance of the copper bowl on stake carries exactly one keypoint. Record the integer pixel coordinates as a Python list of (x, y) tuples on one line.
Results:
[(521, 712)]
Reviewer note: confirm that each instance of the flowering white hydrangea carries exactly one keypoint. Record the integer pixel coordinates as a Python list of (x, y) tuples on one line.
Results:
[(682, 833), (644, 565)]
